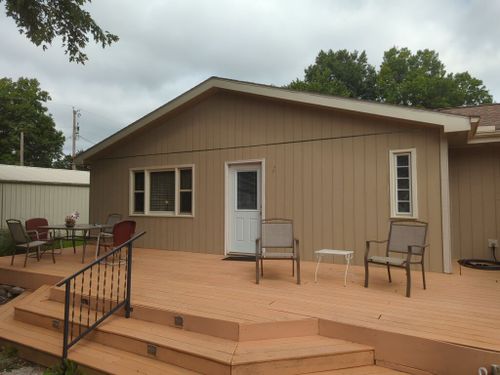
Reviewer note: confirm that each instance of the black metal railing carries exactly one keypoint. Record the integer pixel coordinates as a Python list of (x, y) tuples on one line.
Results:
[(95, 292)]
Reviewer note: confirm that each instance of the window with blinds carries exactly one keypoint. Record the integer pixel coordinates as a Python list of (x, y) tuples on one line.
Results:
[(168, 191), (162, 191)]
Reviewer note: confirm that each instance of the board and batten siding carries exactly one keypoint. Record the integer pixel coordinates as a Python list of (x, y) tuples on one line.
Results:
[(54, 202), (327, 170), (475, 199)]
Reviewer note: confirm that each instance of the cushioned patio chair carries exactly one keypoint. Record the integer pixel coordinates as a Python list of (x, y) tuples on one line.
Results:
[(277, 234), (122, 232), (34, 230), (408, 238), (22, 241)]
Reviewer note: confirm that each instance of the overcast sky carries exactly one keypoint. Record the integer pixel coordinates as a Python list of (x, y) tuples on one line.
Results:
[(166, 47)]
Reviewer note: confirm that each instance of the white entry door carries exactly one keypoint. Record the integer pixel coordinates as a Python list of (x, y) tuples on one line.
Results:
[(245, 207)]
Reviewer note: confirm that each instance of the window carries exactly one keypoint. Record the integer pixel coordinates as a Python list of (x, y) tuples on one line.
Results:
[(186, 191), (162, 191), (138, 202), (246, 194), (403, 183)]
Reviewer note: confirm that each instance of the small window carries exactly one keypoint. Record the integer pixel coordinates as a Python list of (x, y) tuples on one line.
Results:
[(403, 183), (138, 200), (168, 191)]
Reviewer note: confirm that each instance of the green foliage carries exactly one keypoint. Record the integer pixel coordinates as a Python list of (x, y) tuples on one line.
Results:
[(69, 368), (421, 80), (340, 73), (22, 109), (404, 78), (66, 162), (43, 20), (6, 243)]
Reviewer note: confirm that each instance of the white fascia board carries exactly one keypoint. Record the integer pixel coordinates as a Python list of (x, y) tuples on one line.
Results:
[(449, 122)]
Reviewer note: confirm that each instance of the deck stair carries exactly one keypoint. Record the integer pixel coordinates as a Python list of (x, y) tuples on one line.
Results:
[(153, 345)]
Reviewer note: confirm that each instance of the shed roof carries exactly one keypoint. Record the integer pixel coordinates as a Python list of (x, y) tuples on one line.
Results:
[(14, 173), (449, 122)]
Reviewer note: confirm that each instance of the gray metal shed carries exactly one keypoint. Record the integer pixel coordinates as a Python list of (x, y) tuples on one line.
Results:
[(27, 192)]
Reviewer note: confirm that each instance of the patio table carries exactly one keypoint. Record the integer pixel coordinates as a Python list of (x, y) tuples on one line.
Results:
[(348, 254), (85, 228)]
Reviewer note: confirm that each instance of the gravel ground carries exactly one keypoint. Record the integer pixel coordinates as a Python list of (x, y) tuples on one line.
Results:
[(28, 370)]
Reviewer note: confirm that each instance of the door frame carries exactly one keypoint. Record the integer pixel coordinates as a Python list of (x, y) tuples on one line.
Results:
[(227, 196)]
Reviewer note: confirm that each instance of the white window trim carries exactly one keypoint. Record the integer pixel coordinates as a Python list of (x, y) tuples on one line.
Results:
[(147, 171), (414, 191)]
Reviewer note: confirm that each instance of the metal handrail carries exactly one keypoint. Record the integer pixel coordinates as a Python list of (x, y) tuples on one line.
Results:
[(70, 295)]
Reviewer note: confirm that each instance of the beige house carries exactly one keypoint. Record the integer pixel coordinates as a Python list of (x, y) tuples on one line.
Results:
[(200, 172)]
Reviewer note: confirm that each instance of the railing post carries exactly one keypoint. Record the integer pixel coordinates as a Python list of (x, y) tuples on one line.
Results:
[(67, 286), (129, 281)]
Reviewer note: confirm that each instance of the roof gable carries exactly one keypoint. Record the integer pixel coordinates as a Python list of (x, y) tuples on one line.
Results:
[(449, 122)]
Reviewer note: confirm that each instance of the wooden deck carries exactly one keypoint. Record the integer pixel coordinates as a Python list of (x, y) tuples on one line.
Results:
[(458, 315)]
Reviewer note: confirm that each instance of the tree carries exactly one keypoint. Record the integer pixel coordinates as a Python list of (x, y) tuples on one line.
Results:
[(340, 73), (22, 109), (66, 162), (404, 78), (421, 80), (43, 20)]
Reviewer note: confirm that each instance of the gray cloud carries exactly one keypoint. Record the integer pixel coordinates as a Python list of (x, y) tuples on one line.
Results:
[(166, 47)]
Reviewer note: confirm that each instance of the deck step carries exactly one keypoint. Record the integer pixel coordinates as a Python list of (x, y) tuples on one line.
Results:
[(204, 353), (46, 346), (227, 329)]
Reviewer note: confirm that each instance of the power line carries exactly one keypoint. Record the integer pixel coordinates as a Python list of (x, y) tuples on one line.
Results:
[(86, 139)]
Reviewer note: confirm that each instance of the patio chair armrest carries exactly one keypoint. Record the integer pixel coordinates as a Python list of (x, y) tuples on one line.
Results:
[(410, 252), (34, 231)]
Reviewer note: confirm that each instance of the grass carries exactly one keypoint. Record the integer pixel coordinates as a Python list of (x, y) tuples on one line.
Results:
[(7, 245)]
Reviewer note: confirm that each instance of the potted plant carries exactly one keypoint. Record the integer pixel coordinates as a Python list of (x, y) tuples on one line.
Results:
[(70, 220)]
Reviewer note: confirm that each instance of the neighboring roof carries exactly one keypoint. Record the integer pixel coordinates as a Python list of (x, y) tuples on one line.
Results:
[(489, 113), (14, 173), (450, 122)]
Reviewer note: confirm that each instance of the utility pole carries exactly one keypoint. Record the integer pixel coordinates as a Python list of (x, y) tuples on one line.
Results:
[(76, 130), (21, 149)]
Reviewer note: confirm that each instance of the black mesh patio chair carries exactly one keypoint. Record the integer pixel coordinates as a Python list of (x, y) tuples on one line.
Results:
[(277, 234), (23, 241), (105, 236), (408, 238)]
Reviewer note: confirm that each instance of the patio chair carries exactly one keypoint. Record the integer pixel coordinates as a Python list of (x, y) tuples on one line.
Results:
[(408, 238), (106, 235), (23, 241), (122, 232), (42, 234), (276, 233)]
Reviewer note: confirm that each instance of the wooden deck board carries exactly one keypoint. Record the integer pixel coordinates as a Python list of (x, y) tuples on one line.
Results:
[(457, 309)]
